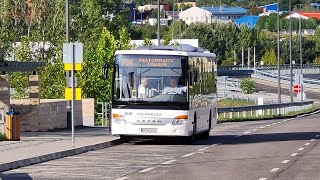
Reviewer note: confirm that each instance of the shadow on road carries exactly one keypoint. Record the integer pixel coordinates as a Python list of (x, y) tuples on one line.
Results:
[(232, 139), (15, 176)]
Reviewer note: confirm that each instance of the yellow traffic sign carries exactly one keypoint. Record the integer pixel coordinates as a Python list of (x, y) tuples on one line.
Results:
[(77, 92), (77, 67)]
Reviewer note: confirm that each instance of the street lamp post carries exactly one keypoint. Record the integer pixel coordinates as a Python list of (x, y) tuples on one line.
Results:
[(300, 34), (290, 27), (134, 15), (278, 40), (158, 22)]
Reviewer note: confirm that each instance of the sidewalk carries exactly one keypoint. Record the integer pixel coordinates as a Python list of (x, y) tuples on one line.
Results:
[(37, 147)]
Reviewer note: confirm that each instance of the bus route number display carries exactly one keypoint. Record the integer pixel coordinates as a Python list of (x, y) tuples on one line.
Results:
[(150, 61)]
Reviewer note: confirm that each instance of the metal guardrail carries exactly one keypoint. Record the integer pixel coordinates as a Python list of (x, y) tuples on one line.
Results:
[(311, 83), (105, 113), (262, 110), (268, 67)]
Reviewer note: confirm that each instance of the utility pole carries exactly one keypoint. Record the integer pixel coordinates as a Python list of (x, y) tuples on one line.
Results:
[(301, 81), (278, 40), (70, 104), (254, 58), (242, 63), (158, 22), (173, 13), (248, 58), (291, 83)]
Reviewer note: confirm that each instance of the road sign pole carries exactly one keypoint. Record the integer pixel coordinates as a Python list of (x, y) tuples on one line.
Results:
[(72, 93)]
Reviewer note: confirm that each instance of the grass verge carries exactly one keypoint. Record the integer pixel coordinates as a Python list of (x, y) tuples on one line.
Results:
[(289, 115), (234, 103)]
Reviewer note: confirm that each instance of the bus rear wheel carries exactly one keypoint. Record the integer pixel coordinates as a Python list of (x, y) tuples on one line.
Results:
[(125, 138)]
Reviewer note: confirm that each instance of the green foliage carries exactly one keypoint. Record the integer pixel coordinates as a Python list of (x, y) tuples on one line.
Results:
[(234, 103), (229, 62), (317, 60), (270, 58), (124, 39), (91, 82), (248, 86), (2, 137), (147, 42)]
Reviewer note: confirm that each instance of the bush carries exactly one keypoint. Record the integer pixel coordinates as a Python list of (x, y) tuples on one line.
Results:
[(248, 86), (2, 137)]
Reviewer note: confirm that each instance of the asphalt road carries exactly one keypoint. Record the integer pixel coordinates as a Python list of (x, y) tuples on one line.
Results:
[(272, 149)]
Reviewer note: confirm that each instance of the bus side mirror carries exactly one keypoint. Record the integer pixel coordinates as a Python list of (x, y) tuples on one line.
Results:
[(105, 70)]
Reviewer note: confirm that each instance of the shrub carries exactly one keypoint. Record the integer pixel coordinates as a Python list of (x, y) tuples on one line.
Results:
[(2, 137), (248, 86)]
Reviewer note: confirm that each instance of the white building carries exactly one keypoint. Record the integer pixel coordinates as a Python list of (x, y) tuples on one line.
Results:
[(211, 14)]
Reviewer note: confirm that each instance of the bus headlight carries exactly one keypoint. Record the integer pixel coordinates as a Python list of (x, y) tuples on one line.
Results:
[(118, 118), (180, 120)]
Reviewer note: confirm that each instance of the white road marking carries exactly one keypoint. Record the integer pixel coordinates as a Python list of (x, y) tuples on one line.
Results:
[(300, 149), (202, 149), (274, 123), (317, 135), (255, 130), (274, 169), (169, 162), (285, 161), (146, 170), (263, 179), (247, 132), (279, 122), (307, 144), (122, 178), (261, 127), (294, 154), (312, 139), (187, 155), (268, 125)]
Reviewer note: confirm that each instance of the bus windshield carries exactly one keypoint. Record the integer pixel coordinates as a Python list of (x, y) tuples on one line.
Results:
[(150, 78)]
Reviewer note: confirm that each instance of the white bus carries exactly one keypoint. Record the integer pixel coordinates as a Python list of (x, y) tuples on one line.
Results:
[(163, 91)]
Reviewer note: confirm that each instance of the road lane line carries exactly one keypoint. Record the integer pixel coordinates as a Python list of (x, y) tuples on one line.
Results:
[(274, 169), (169, 162), (294, 154), (255, 130), (312, 139), (268, 125), (300, 149), (202, 149), (307, 144), (285, 161), (247, 132), (261, 127), (263, 179), (279, 122), (187, 155), (146, 170), (122, 178), (274, 123)]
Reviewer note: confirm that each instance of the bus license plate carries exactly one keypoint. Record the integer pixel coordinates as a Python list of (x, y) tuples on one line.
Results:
[(148, 130)]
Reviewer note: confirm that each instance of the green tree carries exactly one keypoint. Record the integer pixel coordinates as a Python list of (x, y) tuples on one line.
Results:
[(124, 39), (248, 86), (269, 58), (91, 82), (317, 60), (147, 42)]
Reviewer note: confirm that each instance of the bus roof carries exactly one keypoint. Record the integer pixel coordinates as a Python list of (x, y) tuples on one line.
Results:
[(165, 52), (183, 50)]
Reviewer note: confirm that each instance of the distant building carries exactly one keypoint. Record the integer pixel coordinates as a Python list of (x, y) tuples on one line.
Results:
[(270, 7), (247, 20), (305, 15), (212, 14), (149, 7), (170, 14)]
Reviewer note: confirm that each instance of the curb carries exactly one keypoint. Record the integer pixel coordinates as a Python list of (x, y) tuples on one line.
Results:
[(57, 155)]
